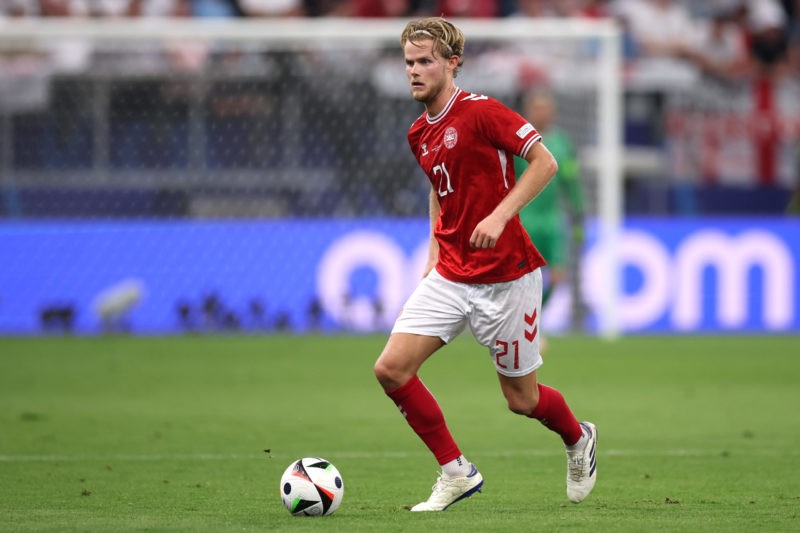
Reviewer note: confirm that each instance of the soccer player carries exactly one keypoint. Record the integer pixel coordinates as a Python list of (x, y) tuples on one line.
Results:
[(483, 270), (544, 218)]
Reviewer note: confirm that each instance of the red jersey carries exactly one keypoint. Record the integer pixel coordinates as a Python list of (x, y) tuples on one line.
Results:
[(467, 152)]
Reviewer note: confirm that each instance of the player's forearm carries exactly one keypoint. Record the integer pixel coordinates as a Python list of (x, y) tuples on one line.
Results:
[(433, 209), (540, 171)]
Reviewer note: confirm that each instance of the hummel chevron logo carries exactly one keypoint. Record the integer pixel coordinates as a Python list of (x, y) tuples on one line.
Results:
[(475, 97), (531, 320)]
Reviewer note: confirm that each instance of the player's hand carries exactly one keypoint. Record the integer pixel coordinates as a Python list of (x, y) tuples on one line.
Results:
[(487, 232)]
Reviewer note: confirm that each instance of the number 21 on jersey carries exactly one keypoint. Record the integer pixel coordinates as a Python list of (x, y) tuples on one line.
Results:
[(445, 187)]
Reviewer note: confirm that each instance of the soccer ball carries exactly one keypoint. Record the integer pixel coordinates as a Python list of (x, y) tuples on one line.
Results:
[(311, 486)]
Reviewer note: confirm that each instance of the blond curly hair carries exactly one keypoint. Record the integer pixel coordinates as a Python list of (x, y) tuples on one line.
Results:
[(448, 39)]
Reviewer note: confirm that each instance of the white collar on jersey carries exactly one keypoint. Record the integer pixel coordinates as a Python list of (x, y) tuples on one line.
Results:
[(439, 116)]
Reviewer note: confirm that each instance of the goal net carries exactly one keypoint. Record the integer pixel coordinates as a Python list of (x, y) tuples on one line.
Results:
[(182, 175)]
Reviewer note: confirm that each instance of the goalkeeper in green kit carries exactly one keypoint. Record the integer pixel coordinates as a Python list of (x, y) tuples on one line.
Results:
[(559, 208)]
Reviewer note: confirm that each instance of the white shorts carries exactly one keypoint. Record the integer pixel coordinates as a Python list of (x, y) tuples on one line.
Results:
[(504, 317)]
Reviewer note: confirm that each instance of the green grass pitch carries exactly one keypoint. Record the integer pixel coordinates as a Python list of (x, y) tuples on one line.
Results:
[(193, 433)]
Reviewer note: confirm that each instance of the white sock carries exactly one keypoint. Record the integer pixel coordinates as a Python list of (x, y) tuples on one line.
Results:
[(581, 442), (457, 467)]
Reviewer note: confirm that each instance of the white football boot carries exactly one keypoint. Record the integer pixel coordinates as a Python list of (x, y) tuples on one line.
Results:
[(448, 490), (582, 466)]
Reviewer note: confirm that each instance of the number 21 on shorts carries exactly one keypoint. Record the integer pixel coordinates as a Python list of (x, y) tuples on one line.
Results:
[(502, 351)]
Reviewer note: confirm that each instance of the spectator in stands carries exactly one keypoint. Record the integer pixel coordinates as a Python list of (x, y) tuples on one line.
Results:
[(57, 8), (546, 60), (467, 8), (533, 8), (272, 8), (562, 8), (383, 8), (768, 31), (595, 9), (660, 28), (127, 8), (721, 49), (18, 8), (99, 8), (216, 8), (793, 10)]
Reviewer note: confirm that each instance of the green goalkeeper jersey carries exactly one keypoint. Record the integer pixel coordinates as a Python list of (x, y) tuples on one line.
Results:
[(546, 213)]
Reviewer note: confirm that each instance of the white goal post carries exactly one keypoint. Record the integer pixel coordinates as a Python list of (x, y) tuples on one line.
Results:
[(602, 72)]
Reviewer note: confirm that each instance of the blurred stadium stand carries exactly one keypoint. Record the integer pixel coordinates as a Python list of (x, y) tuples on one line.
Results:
[(711, 125), (293, 140)]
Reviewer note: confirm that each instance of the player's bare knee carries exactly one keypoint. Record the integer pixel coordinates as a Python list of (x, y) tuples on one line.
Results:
[(381, 371), (388, 376)]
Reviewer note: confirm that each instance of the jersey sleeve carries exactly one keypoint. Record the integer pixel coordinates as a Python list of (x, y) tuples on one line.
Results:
[(506, 129)]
